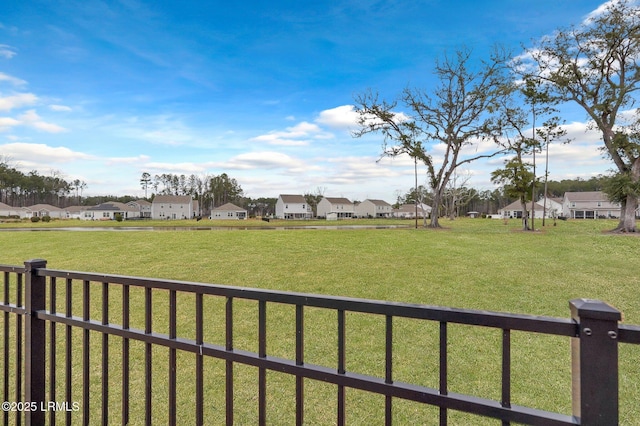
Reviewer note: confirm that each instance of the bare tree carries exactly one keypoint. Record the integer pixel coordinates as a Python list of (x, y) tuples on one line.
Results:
[(459, 114), (595, 65)]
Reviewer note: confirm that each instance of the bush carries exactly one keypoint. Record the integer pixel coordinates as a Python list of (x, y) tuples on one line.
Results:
[(35, 219), (118, 217), (46, 218)]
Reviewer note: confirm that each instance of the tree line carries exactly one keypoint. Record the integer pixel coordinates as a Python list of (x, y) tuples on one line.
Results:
[(19, 189)]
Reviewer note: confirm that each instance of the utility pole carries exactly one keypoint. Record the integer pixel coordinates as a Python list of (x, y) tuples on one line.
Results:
[(546, 179)]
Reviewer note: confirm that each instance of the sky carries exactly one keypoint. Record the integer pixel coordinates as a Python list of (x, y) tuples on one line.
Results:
[(102, 91)]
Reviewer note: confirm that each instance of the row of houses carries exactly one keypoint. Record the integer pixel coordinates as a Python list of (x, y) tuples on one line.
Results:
[(335, 208), (162, 207), (574, 205)]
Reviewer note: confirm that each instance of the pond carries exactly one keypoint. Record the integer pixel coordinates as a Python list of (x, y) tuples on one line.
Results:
[(203, 228)]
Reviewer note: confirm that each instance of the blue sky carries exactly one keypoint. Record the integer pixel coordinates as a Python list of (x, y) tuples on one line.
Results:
[(102, 91)]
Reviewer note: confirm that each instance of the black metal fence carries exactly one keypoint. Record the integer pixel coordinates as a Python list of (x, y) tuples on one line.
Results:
[(35, 313)]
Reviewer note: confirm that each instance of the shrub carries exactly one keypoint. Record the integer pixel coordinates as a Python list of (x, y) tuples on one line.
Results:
[(118, 217), (35, 219), (46, 218)]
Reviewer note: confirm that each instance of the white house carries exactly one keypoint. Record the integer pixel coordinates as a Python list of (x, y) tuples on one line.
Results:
[(408, 211), (554, 206), (373, 208), (174, 207), (75, 212), (514, 210), (109, 211), (293, 207), (6, 210), (589, 205), (41, 210), (340, 208), (143, 206), (228, 211)]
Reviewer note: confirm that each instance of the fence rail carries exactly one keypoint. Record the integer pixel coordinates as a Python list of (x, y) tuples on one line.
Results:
[(593, 330)]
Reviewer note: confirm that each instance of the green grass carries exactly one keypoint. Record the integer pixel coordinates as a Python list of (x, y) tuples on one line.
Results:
[(472, 264)]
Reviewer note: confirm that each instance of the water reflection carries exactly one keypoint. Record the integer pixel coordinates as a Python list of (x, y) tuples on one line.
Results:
[(204, 228)]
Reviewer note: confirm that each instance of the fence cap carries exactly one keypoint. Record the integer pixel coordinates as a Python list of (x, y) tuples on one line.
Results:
[(595, 309), (35, 263)]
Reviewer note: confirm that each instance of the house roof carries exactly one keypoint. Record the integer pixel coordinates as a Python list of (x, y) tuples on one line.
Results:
[(112, 206), (229, 207), (74, 209), (411, 208), (517, 205), (338, 200), (586, 196), (293, 199), (4, 206), (38, 207), (378, 202), (177, 199), (140, 203)]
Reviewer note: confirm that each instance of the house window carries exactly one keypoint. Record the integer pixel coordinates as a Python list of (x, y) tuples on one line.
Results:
[(106, 214), (573, 204), (229, 214)]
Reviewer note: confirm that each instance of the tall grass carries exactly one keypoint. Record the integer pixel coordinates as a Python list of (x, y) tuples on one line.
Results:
[(474, 264)]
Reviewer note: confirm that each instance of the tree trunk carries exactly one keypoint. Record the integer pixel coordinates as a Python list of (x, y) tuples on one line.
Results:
[(628, 215), (628, 211), (435, 210)]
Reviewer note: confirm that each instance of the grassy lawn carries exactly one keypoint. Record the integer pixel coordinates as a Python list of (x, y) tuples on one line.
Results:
[(473, 264)]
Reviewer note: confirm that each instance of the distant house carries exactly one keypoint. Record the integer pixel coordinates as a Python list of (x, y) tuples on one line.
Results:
[(109, 211), (589, 205), (174, 207), (514, 210), (373, 208), (293, 207), (408, 211), (143, 206), (338, 208), (554, 206), (228, 212), (75, 212), (6, 210), (41, 210)]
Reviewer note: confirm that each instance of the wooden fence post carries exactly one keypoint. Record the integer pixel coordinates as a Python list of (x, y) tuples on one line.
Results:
[(34, 379), (594, 362)]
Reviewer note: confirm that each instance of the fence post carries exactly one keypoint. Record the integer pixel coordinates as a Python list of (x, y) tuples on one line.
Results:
[(594, 362), (34, 379)]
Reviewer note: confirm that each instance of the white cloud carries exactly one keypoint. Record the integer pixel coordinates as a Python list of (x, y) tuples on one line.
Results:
[(359, 169), (41, 154), (176, 168), (274, 139), (262, 160), (127, 160), (342, 117), (62, 108), (7, 51), (11, 79), (7, 123), (8, 103), (298, 135), (31, 118)]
